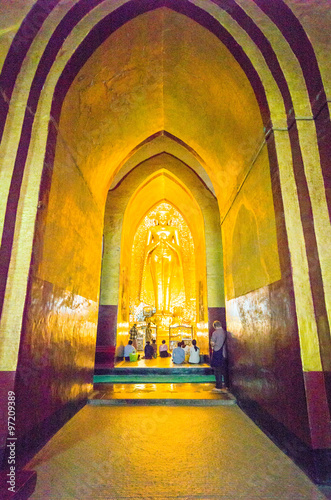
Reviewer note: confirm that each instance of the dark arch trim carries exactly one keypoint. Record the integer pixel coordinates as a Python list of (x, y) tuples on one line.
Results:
[(282, 16), (17, 52), (149, 139)]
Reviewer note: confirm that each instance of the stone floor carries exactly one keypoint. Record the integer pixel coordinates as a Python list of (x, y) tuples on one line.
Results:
[(162, 452)]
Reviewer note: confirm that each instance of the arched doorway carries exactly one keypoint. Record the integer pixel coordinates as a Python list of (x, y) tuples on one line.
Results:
[(144, 188)]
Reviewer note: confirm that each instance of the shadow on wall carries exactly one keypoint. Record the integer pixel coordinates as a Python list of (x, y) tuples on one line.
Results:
[(248, 261)]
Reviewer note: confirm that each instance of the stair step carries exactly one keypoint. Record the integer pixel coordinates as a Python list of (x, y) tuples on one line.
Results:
[(179, 394), (162, 402), (104, 370), (153, 378)]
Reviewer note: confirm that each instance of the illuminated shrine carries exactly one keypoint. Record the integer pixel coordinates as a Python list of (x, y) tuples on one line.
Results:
[(163, 270), (162, 284)]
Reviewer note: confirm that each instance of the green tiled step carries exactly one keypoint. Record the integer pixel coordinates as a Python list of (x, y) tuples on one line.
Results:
[(153, 378)]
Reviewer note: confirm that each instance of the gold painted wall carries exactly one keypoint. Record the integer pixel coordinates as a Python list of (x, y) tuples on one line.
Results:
[(177, 77), (116, 100), (209, 103), (251, 258), (71, 255), (57, 350), (11, 15)]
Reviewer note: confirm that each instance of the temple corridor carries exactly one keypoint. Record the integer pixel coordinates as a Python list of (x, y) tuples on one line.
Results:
[(165, 167)]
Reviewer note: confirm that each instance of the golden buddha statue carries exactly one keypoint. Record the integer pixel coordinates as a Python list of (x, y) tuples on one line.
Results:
[(163, 257)]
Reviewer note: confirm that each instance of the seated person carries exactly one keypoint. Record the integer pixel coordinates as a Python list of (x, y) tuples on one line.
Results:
[(149, 351), (128, 349), (178, 354), (154, 348), (186, 348), (194, 353), (164, 350)]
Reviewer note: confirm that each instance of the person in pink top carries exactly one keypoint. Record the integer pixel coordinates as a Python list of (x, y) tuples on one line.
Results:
[(163, 349)]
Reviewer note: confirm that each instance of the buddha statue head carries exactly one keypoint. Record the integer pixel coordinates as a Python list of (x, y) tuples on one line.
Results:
[(163, 217)]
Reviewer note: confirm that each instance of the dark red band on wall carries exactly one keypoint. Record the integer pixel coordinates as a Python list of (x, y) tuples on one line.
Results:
[(314, 268), (216, 314), (7, 384), (107, 325), (282, 241), (106, 335), (318, 411), (257, 36), (323, 131), (282, 16)]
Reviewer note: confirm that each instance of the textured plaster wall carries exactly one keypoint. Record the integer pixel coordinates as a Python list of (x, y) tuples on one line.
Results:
[(116, 101), (177, 77), (264, 347), (57, 351), (210, 105), (249, 234), (315, 17), (71, 249), (11, 15)]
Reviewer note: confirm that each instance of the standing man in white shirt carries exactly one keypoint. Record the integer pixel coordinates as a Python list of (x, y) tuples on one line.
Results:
[(218, 361)]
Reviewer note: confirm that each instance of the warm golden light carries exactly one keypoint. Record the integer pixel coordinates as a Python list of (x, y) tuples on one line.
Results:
[(163, 266), (163, 258)]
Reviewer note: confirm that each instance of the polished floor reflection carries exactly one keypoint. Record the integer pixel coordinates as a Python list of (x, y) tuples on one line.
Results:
[(162, 452), (164, 393)]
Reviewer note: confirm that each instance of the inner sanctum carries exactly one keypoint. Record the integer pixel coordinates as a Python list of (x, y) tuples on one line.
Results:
[(162, 287)]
